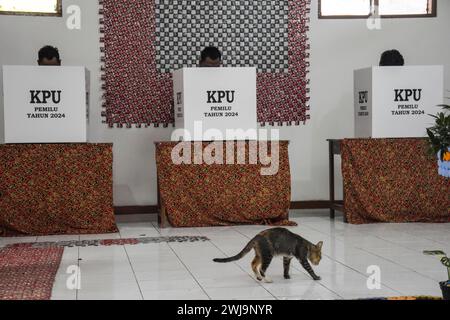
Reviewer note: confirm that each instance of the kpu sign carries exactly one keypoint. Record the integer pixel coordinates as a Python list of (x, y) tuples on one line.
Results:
[(395, 102), (45, 104), (215, 104)]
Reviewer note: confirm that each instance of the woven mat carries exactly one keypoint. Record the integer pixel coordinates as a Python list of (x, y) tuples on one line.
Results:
[(27, 270), (28, 273), (107, 242)]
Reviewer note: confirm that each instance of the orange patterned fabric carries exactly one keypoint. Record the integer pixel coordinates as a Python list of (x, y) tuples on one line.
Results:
[(197, 195), (56, 189), (392, 180)]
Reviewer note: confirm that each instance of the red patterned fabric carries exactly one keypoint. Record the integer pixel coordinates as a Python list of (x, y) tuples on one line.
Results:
[(137, 94), (28, 273), (283, 97), (197, 195), (392, 180), (56, 189)]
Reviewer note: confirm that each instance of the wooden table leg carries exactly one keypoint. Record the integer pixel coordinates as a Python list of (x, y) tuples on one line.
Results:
[(331, 176), (162, 217)]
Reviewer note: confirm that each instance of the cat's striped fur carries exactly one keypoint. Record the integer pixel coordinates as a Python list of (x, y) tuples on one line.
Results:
[(279, 242)]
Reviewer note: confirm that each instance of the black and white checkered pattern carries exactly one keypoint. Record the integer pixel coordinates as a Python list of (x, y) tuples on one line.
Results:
[(248, 32)]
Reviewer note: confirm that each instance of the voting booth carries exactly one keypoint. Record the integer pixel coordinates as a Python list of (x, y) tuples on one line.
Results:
[(395, 101), (215, 104), (44, 104)]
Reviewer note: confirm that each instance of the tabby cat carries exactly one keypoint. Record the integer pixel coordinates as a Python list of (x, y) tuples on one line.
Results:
[(279, 242)]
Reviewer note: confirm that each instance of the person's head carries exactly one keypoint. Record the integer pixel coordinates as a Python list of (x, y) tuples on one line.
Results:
[(392, 58), (49, 56), (210, 57)]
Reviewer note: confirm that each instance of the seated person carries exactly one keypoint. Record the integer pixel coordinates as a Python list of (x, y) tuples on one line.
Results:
[(392, 58), (49, 56), (210, 57)]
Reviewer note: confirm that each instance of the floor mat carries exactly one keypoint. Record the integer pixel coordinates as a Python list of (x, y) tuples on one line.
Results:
[(107, 242), (28, 273)]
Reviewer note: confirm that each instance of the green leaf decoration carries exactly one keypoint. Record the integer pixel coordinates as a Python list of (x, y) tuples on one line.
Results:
[(439, 134), (434, 253), (445, 261)]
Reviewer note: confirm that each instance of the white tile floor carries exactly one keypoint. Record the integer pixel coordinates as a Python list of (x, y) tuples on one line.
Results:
[(186, 270)]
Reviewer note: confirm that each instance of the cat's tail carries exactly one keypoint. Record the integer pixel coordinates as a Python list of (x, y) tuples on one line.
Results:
[(250, 245)]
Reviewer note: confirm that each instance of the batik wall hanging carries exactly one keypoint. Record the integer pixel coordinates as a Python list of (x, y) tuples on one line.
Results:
[(144, 40)]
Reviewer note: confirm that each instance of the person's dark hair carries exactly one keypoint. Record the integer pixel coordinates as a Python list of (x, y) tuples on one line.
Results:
[(48, 52), (210, 52), (392, 58)]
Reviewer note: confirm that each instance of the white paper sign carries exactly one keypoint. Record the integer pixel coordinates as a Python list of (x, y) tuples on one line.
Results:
[(45, 104), (395, 102), (215, 103)]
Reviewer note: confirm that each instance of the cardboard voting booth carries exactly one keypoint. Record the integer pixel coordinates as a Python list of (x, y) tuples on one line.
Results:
[(394, 102), (44, 104), (215, 103)]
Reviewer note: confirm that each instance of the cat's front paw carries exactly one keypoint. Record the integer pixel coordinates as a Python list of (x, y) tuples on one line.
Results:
[(317, 278), (268, 280), (287, 277)]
